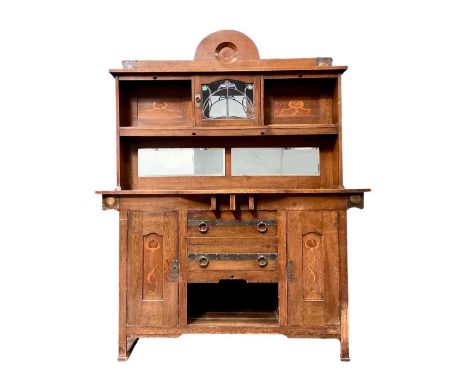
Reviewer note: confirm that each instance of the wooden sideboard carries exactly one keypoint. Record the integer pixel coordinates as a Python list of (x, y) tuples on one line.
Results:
[(230, 195)]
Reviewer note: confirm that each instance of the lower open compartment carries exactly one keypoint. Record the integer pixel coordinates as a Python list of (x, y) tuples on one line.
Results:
[(232, 303)]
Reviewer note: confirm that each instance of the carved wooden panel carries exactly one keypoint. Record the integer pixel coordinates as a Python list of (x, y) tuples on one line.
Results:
[(290, 107), (151, 248), (152, 267), (313, 253), (161, 110), (312, 267)]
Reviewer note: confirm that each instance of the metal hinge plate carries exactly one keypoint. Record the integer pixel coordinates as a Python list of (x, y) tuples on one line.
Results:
[(175, 270), (290, 270)]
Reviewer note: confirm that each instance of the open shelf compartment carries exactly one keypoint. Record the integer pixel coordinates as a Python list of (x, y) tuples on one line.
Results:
[(155, 104), (232, 303), (301, 101)]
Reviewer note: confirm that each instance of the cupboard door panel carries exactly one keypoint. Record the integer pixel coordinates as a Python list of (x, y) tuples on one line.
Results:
[(312, 250), (153, 267), (312, 267), (152, 246)]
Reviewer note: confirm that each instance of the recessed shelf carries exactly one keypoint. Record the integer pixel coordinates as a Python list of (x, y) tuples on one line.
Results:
[(232, 303)]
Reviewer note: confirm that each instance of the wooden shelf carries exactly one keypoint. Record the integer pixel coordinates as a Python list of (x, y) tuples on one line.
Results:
[(209, 66), (319, 128), (267, 318), (237, 192), (296, 129)]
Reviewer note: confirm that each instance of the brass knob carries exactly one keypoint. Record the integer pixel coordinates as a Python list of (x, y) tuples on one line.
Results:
[(203, 227), (262, 227), (262, 261), (203, 261)]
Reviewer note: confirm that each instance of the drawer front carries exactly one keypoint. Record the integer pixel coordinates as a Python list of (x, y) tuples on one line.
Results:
[(230, 255), (249, 276), (243, 224), (200, 262)]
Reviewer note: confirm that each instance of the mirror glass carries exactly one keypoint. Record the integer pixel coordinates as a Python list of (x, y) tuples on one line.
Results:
[(275, 161), (181, 162)]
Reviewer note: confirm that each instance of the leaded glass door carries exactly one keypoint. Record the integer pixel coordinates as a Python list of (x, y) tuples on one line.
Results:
[(227, 101)]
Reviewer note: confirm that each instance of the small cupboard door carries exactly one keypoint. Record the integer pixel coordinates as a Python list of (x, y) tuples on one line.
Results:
[(313, 273), (227, 100), (152, 248)]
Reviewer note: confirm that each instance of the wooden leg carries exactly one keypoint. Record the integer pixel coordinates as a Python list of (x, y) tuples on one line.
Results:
[(127, 348), (124, 352), (344, 335)]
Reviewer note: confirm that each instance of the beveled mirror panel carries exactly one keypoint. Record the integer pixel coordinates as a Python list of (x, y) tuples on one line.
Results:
[(268, 161), (180, 162)]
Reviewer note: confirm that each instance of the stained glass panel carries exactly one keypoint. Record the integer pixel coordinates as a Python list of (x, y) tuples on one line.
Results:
[(227, 99)]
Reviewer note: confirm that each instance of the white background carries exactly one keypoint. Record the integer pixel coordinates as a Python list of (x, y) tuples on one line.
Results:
[(405, 125)]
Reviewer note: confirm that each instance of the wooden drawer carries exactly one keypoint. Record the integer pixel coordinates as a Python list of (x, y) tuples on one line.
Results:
[(200, 262), (253, 256), (249, 276), (241, 224)]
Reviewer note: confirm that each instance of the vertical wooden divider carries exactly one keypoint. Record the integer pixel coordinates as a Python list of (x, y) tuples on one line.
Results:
[(182, 267), (232, 202), (227, 161), (213, 205), (251, 202), (282, 271)]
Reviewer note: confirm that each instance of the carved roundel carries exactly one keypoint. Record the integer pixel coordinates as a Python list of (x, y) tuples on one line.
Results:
[(226, 52)]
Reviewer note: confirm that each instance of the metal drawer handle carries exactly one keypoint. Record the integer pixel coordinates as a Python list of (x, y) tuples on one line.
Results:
[(203, 227), (262, 227), (203, 261), (262, 261)]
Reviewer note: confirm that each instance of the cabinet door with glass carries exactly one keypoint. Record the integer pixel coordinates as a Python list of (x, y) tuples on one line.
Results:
[(227, 100)]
